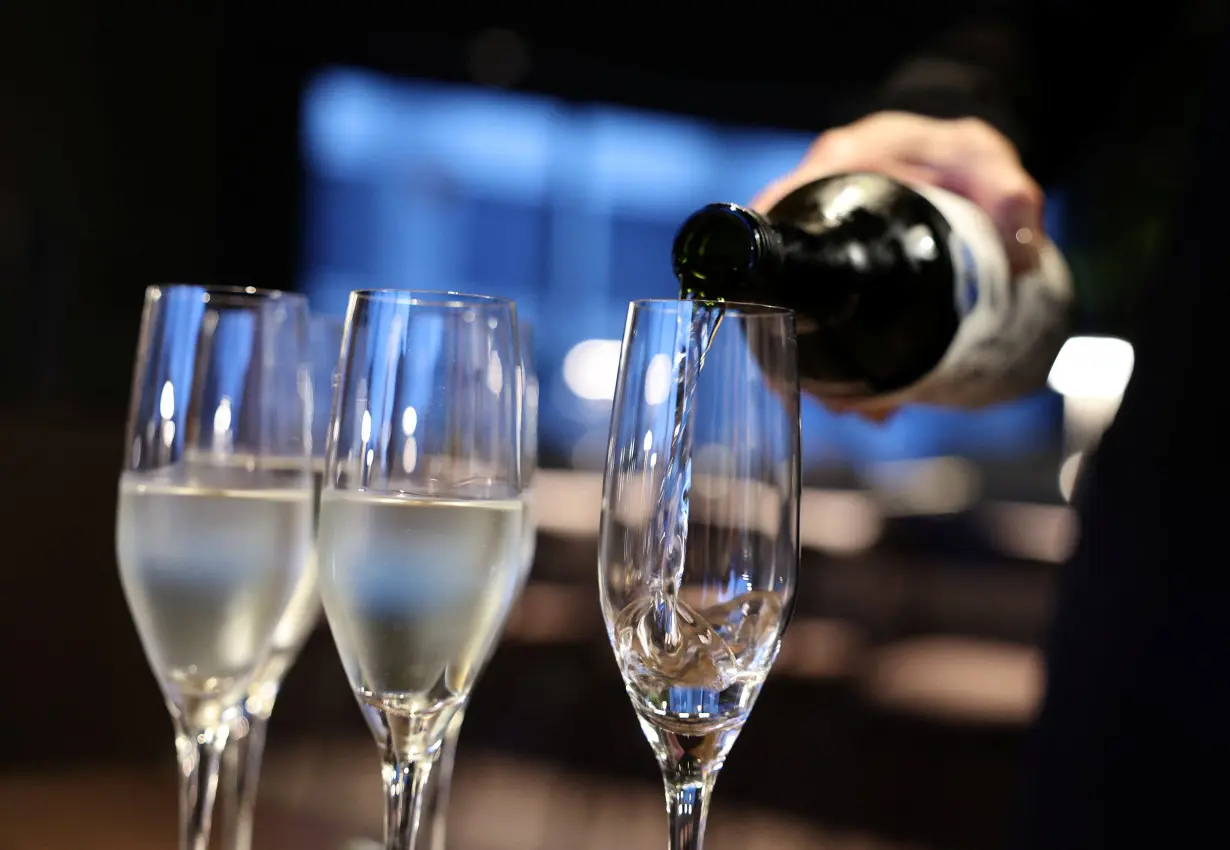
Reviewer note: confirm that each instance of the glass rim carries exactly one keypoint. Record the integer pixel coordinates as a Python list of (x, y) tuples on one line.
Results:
[(432, 298), (253, 292), (742, 310)]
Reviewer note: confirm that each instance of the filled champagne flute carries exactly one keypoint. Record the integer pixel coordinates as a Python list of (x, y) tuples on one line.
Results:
[(214, 525), (421, 529), (244, 754), (699, 545), (439, 786)]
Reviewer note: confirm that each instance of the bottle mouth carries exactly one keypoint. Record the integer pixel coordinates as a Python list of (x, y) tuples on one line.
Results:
[(718, 244)]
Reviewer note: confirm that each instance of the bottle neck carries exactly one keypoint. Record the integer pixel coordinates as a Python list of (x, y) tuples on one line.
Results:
[(725, 252)]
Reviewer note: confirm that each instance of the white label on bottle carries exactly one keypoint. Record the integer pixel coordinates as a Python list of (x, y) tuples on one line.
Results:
[(1011, 327), (978, 257)]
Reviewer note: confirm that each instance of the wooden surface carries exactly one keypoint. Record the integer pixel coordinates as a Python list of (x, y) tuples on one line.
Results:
[(132, 809), (323, 797)]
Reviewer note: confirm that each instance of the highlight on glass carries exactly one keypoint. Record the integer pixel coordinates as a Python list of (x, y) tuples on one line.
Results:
[(434, 821), (214, 525), (699, 542), (244, 754), (421, 518)]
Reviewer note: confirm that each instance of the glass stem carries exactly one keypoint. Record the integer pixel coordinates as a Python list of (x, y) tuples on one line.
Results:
[(441, 783), (228, 779), (200, 756), (405, 782), (687, 807), (244, 757)]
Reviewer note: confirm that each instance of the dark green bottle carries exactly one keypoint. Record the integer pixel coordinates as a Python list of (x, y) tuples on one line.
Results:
[(901, 293)]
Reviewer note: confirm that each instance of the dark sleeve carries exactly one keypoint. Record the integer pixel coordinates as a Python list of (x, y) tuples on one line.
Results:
[(1048, 74), (1134, 719)]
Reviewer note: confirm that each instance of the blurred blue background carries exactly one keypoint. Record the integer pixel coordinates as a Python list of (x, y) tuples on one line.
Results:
[(570, 209)]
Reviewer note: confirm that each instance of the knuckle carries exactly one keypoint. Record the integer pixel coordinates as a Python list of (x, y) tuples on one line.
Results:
[(979, 135), (1021, 189), (831, 145), (1031, 193)]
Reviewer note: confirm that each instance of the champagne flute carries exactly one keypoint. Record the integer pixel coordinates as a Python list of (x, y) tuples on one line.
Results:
[(439, 786), (698, 547), (242, 762), (214, 525), (419, 547)]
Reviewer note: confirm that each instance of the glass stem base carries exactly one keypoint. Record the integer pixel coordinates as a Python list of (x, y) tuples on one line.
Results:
[(200, 757), (405, 782), (687, 809), (690, 766), (244, 757)]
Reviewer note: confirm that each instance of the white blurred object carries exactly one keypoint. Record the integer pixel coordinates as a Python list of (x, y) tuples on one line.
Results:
[(1069, 473), (569, 502), (839, 523), (1044, 533), (1091, 373), (591, 368), (1093, 367), (926, 486), (957, 679)]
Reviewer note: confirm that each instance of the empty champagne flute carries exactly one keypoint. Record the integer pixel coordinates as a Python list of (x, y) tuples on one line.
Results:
[(439, 785), (244, 753), (419, 548), (214, 525), (699, 544)]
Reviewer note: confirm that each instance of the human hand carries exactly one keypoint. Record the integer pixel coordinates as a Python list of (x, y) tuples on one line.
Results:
[(966, 156)]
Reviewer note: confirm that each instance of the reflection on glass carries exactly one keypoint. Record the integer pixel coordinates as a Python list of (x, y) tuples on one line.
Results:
[(241, 770), (214, 526), (435, 804)]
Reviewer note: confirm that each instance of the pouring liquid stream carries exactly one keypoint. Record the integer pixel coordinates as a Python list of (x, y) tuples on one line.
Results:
[(694, 336)]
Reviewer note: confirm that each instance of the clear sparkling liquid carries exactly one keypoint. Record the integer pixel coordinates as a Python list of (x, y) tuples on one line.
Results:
[(708, 678)]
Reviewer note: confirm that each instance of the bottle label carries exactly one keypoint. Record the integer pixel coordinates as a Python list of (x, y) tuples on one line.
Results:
[(1012, 327)]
